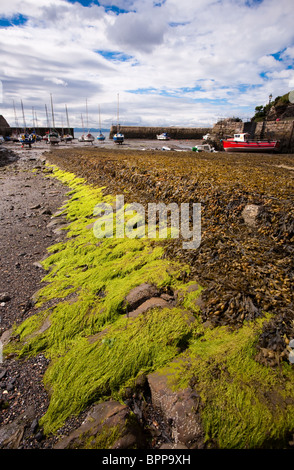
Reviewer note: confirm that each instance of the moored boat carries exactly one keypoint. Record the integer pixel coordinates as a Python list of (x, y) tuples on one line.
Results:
[(163, 136), (100, 136), (89, 137), (26, 139), (118, 138), (243, 143), (53, 138)]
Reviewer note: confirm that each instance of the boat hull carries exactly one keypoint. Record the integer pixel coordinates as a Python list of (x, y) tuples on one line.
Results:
[(118, 138), (261, 146), (89, 138), (163, 137)]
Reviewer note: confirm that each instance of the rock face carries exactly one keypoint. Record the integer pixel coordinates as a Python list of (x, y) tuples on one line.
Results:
[(179, 409), (107, 425)]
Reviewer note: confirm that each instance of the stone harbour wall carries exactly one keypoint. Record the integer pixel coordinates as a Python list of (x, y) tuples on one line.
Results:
[(138, 132)]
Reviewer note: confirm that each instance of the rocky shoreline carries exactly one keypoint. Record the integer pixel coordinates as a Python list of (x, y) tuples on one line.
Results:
[(30, 200)]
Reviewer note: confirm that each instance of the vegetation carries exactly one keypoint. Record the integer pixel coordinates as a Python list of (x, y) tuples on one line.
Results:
[(233, 353), (261, 112)]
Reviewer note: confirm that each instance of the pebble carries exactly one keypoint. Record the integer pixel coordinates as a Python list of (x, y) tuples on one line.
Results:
[(4, 297)]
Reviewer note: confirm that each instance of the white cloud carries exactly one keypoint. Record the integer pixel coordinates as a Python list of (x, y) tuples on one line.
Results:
[(200, 60), (57, 81)]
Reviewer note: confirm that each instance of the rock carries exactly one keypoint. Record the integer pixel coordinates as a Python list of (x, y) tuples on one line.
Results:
[(173, 446), (154, 302), (114, 422), (37, 264), (5, 337), (291, 343), (139, 294), (4, 297), (12, 434), (250, 213), (46, 211), (179, 409)]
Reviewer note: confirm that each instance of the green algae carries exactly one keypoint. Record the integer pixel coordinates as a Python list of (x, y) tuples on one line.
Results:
[(87, 280), (244, 403), (96, 350)]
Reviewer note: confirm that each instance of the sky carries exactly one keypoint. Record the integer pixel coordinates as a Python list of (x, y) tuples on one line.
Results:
[(180, 63)]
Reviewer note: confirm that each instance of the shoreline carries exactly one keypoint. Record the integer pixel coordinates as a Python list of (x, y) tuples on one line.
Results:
[(145, 175)]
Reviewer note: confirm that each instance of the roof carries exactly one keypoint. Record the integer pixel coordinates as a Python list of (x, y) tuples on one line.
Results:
[(3, 122)]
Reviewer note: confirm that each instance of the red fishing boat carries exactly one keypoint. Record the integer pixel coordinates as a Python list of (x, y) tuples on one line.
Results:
[(243, 143)]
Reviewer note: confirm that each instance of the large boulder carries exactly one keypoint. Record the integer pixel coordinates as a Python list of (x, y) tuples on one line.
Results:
[(108, 425), (180, 409)]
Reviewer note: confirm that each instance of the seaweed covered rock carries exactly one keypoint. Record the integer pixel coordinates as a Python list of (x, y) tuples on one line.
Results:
[(108, 425)]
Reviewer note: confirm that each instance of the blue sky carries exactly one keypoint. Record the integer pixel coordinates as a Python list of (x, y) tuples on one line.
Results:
[(173, 63)]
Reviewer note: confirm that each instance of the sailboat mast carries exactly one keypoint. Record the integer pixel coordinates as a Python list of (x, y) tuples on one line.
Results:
[(117, 127), (67, 118), (87, 114), (52, 111), (48, 124), (33, 113), (15, 117), (24, 121)]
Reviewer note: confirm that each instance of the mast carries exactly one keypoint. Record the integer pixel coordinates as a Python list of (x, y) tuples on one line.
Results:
[(52, 111), (67, 118), (87, 115), (117, 127), (33, 113), (15, 117), (36, 119), (48, 124), (24, 121), (99, 120)]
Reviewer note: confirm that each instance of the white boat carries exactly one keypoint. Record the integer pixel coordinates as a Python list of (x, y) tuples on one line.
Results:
[(89, 137), (203, 148), (163, 136), (100, 136), (206, 137), (67, 137), (118, 138), (53, 138)]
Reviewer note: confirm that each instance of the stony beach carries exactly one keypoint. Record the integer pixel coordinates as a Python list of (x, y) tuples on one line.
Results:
[(244, 264)]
